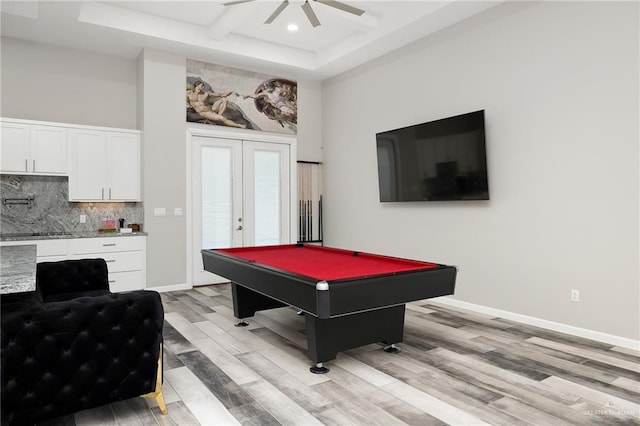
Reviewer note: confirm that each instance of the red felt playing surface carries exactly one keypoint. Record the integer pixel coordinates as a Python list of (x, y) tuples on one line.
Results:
[(324, 263)]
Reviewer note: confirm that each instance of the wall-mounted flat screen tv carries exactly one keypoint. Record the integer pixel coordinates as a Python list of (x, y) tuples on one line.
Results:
[(436, 161)]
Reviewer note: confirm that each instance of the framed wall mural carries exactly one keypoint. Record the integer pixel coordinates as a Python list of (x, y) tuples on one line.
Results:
[(225, 96)]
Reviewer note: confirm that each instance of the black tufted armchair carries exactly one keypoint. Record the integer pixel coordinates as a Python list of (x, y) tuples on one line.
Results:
[(72, 344)]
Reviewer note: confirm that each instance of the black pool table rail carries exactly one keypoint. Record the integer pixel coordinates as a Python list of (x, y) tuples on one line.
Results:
[(343, 296), (315, 280)]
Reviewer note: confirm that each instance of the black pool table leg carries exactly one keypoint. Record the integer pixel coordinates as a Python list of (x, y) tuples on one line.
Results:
[(247, 302), (392, 349), (327, 337), (319, 368)]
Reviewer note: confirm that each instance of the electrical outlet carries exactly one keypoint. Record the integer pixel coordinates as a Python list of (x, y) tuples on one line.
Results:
[(83, 218), (575, 295)]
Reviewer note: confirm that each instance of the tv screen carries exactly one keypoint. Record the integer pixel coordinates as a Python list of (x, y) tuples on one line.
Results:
[(436, 161)]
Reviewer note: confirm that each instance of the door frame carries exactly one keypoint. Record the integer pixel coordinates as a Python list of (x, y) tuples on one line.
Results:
[(239, 135)]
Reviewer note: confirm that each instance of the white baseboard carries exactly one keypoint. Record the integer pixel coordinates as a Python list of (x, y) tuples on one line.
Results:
[(550, 325), (173, 287)]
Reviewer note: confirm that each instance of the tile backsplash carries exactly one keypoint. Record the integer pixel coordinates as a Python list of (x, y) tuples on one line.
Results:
[(50, 210)]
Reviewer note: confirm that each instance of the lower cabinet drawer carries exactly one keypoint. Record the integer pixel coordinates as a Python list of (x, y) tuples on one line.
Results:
[(46, 250), (125, 281), (105, 244), (120, 262), (53, 248)]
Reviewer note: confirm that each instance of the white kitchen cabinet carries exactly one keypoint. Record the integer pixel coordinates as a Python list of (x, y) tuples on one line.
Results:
[(34, 149), (125, 257), (104, 165), (124, 166), (15, 147)]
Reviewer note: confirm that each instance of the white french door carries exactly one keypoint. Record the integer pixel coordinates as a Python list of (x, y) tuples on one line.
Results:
[(241, 197)]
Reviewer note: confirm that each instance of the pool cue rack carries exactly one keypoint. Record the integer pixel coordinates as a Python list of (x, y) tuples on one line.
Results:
[(309, 202)]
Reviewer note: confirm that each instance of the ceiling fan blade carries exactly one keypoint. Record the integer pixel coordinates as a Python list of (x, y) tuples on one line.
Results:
[(231, 3), (311, 15), (277, 12), (342, 6)]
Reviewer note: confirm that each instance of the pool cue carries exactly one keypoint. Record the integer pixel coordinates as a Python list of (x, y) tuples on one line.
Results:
[(320, 236)]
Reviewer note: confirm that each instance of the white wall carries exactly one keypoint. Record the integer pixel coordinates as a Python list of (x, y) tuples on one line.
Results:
[(559, 83)]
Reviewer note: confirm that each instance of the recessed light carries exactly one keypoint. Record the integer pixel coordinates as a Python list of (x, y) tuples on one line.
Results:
[(292, 27)]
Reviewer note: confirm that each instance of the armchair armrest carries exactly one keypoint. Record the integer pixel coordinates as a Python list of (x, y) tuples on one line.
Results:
[(79, 353), (71, 277)]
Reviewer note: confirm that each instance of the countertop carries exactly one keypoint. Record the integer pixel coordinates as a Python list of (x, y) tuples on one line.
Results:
[(65, 235), (17, 268)]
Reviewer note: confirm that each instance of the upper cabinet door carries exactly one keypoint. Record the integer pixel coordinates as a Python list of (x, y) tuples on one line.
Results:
[(49, 149), (15, 148), (124, 166), (104, 165), (88, 168)]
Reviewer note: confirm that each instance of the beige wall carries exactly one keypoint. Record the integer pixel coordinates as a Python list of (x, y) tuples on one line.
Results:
[(559, 83)]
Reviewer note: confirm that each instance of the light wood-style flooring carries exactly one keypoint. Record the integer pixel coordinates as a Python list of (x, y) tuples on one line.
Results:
[(456, 368)]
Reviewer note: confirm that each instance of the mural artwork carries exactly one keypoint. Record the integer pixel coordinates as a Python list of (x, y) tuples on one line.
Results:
[(225, 96)]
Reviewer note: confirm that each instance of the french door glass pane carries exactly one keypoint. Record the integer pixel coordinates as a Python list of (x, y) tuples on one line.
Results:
[(267, 197), (217, 199)]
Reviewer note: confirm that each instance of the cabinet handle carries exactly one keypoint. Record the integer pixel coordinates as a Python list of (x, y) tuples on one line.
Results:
[(102, 196), (109, 193), (34, 165), (26, 165), (110, 260), (109, 245), (112, 281)]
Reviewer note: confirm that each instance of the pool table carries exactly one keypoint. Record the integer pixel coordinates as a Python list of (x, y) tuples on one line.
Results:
[(348, 298)]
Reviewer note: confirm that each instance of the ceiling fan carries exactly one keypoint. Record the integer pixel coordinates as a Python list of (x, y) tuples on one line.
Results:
[(306, 7)]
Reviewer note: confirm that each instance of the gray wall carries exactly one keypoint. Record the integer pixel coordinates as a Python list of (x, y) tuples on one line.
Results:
[(42, 82), (162, 122), (559, 83)]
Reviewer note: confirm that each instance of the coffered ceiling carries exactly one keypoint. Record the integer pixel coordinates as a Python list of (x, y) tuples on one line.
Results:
[(236, 35)]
